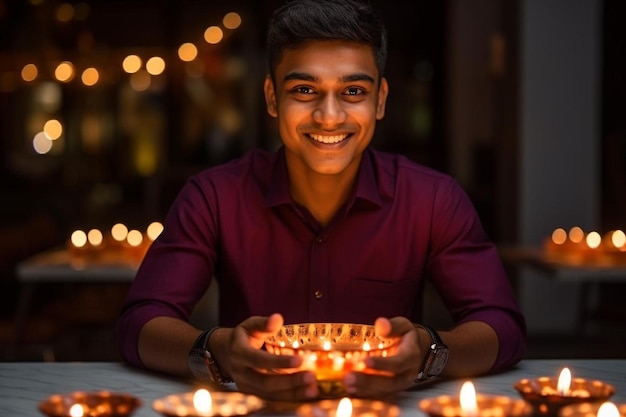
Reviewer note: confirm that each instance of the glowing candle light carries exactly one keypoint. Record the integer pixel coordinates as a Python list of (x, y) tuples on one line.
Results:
[(366, 347), (154, 230), (119, 231), (76, 410), (565, 380), (468, 399), (78, 238), (593, 240), (202, 402), (344, 409), (608, 409), (326, 345), (134, 238), (94, 237), (559, 236)]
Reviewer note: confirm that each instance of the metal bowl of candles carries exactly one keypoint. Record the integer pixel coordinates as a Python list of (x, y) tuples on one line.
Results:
[(547, 399), (597, 409), (89, 404), (330, 350)]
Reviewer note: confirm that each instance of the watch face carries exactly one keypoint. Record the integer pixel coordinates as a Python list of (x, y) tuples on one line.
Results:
[(440, 358)]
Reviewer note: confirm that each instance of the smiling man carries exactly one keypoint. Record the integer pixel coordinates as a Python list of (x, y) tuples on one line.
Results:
[(325, 229)]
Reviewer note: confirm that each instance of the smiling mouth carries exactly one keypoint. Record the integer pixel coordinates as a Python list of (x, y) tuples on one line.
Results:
[(328, 139)]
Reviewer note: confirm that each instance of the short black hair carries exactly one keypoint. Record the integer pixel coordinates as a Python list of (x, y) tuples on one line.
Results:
[(298, 21)]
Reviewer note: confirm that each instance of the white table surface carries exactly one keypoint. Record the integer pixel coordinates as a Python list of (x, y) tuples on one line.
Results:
[(24, 385)]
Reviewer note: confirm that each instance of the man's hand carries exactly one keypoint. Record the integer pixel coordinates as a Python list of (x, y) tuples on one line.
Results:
[(404, 366), (240, 355)]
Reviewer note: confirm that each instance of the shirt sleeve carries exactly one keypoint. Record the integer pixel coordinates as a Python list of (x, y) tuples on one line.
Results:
[(465, 267), (175, 272)]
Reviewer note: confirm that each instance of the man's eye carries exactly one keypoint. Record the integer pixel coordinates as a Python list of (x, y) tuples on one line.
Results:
[(303, 90), (354, 91)]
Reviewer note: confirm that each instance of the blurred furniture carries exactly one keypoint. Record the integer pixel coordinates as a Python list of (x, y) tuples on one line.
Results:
[(589, 275), (24, 385), (59, 266)]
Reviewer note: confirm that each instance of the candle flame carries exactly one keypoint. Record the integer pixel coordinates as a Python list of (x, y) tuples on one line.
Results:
[(366, 346), (202, 402), (344, 409), (608, 409), (326, 345), (76, 410), (468, 399), (565, 379)]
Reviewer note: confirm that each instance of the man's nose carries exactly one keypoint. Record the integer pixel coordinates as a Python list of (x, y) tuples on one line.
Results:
[(329, 111)]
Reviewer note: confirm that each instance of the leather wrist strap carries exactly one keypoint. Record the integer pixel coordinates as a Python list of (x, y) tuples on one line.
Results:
[(201, 361)]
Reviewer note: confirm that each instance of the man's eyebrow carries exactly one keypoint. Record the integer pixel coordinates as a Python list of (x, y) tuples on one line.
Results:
[(361, 76), (303, 76)]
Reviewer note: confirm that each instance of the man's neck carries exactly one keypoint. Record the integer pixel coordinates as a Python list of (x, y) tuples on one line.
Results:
[(321, 194)]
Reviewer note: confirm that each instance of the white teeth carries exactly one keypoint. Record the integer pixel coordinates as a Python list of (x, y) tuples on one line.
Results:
[(329, 139)]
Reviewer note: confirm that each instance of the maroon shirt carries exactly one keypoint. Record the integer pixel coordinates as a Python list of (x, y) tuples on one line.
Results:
[(403, 224)]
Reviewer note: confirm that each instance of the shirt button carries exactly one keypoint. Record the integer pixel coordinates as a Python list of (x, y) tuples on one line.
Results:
[(318, 294)]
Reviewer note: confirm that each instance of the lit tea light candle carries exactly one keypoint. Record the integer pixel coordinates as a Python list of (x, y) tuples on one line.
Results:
[(85, 403), (470, 404), (78, 239), (467, 399), (330, 350), (203, 403), (346, 407), (76, 410), (548, 395), (604, 409), (119, 231)]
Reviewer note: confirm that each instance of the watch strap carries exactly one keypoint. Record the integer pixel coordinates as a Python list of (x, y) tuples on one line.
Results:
[(201, 361), (437, 351)]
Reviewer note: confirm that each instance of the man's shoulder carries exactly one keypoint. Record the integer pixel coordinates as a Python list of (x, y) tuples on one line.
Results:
[(255, 162)]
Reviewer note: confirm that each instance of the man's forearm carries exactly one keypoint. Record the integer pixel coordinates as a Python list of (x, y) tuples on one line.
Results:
[(473, 349), (164, 343)]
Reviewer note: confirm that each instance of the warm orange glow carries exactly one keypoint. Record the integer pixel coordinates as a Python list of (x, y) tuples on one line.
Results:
[(78, 238), (593, 240), (76, 410), (95, 237), (187, 52), (559, 236), (576, 234), (213, 34), (202, 402), (140, 81), (608, 409), (154, 230), (119, 231), (90, 76), (326, 345), (344, 409), (231, 20), (65, 12), (41, 143), (564, 382), (155, 65), (618, 238), (53, 129), (468, 399), (134, 238), (366, 347), (64, 72), (29, 72), (131, 64)]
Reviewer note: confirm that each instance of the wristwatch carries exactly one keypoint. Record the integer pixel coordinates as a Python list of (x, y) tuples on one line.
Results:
[(437, 356), (202, 363)]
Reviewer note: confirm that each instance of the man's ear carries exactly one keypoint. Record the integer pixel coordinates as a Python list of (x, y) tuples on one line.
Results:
[(270, 96), (383, 91)]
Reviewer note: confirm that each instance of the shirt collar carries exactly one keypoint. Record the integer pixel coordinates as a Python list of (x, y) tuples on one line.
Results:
[(366, 184)]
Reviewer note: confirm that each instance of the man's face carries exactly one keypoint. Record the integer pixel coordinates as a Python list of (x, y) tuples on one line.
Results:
[(327, 99)]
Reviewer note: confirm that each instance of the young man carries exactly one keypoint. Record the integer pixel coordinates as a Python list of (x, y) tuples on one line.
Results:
[(325, 229)]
